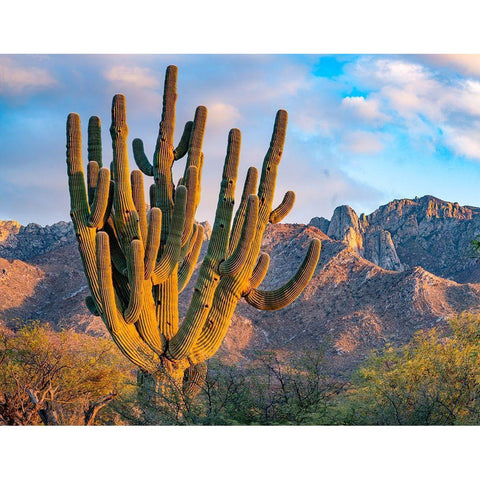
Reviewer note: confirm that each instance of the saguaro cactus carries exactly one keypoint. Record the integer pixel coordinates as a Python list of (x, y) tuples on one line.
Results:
[(138, 259)]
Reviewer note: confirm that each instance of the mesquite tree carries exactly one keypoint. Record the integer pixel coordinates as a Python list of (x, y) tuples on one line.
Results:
[(138, 258)]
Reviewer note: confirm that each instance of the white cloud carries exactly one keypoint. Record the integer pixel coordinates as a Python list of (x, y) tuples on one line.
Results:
[(465, 141), (128, 76), (362, 142), (16, 78), (221, 114), (367, 109)]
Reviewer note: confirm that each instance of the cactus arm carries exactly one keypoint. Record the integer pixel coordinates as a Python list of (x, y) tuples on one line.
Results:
[(140, 158), (196, 138), (153, 241), (236, 260), (286, 294), (95, 141), (138, 195), (259, 271), (192, 184), (136, 273), (100, 199), (79, 207), (163, 155), (170, 256), (92, 179), (124, 335), (283, 209), (248, 189), (188, 265), (208, 278), (182, 147)]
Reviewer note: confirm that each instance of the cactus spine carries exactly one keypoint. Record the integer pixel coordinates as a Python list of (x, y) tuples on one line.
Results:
[(138, 261)]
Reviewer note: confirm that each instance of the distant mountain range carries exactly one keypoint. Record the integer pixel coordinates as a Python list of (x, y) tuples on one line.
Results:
[(381, 277)]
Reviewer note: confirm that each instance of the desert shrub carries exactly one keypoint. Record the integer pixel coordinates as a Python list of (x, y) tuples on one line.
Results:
[(62, 378), (433, 380)]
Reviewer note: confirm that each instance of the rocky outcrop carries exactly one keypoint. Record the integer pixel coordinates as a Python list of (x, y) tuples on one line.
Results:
[(345, 226), (321, 223), (380, 250)]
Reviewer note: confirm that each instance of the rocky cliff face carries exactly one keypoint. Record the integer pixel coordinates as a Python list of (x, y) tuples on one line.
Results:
[(381, 277), (426, 232)]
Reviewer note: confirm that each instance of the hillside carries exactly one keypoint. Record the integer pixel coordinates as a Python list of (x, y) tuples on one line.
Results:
[(381, 277)]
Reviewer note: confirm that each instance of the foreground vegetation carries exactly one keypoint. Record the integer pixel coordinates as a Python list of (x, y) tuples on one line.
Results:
[(66, 378)]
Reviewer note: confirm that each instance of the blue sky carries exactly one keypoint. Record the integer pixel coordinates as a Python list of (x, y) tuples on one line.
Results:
[(363, 129)]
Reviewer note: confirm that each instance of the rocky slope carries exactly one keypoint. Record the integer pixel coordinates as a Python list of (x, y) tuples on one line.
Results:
[(381, 278)]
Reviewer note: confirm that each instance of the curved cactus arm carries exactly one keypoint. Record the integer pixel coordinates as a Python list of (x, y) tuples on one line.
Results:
[(153, 241), (248, 189), (170, 255), (95, 140), (194, 379), (284, 208), (153, 195), (140, 158), (138, 195), (208, 277), (123, 334), (286, 294), (191, 182), (188, 265), (136, 273), (100, 199), (260, 270), (236, 260), (117, 256), (182, 147)]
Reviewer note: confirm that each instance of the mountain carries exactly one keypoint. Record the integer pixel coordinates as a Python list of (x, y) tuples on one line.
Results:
[(381, 277)]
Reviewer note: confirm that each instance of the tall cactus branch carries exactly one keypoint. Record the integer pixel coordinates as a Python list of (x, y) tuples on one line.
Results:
[(138, 258)]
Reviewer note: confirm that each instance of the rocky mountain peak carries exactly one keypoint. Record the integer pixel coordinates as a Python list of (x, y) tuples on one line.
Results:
[(345, 226)]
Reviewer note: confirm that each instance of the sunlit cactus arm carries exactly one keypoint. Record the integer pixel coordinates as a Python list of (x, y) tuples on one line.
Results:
[(249, 188), (286, 294), (233, 264), (153, 240), (283, 209), (188, 265), (135, 265), (138, 195), (208, 277), (259, 272), (191, 183), (100, 199), (125, 335)]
